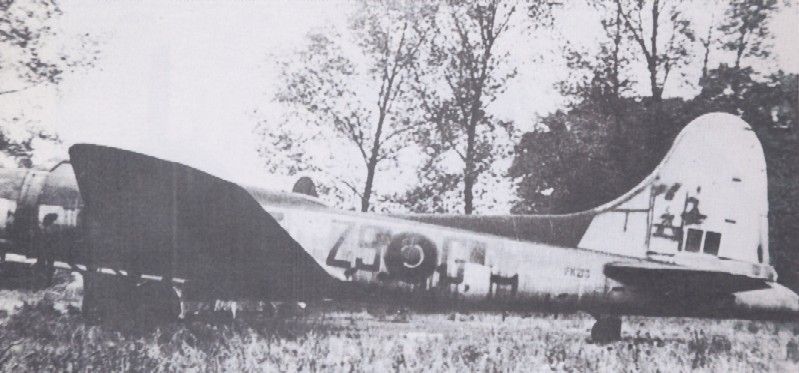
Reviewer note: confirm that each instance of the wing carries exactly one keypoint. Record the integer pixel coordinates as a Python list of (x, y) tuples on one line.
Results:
[(149, 216), (670, 278)]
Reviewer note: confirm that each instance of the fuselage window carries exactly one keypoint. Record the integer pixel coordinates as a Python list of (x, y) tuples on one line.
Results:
[(465, 250), (693, 240), (712, 242)]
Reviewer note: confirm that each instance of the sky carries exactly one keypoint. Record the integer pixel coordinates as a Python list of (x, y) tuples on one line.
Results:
[(181, 79), (186, 80)]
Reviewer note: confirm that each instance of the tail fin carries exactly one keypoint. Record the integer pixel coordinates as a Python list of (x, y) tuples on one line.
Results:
[(707, 196)]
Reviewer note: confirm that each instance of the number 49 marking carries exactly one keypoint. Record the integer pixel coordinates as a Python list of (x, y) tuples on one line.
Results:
[(333, 260)]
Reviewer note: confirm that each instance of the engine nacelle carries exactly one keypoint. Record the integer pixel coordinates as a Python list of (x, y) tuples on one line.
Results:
[(27, 196)]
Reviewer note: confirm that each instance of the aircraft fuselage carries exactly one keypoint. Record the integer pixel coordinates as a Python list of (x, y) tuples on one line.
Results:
[(376, 258), (483, 271)]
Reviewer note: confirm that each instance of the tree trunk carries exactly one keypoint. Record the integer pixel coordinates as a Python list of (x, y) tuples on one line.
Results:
[(741, 41), (740, 51), (371, 166), (704, 62), (657, 92), (652, 61), (468, 196), (468, 172), (367, 188), (706, 43), (616, 50)]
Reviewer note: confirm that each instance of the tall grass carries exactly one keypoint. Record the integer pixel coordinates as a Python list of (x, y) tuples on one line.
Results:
[(45, 335)]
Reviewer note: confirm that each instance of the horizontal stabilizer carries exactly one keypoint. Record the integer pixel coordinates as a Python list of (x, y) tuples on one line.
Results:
[(670, 278), (149, 216)]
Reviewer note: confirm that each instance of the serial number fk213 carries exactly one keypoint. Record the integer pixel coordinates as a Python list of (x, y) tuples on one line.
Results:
[(577, 272)]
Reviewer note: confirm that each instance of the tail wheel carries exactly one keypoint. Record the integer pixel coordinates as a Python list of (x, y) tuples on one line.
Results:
[(411, 257)]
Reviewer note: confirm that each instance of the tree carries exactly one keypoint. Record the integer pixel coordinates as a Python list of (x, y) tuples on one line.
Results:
[(664, 43), (32, 57), (428, 196), (21, 149), (605, 73), (706, 42), (745, 29), (591, 139), (591, 152), (473, 72), (368, 106)]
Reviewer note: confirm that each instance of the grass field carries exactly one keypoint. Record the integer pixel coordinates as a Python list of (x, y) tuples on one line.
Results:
[(43, 331)]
